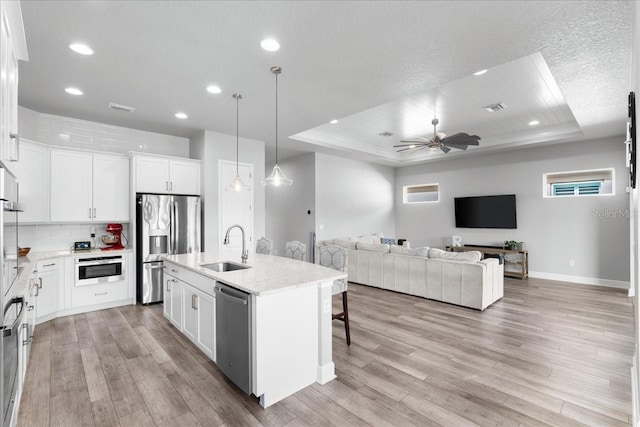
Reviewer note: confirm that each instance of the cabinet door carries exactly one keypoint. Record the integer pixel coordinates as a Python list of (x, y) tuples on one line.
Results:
[(176, 303), (206, 338), (5, 46), (71, 187), (33, 178), (152, 174), (110, 188), (168, 288), (184, 177), (49, 273), (190, 324)]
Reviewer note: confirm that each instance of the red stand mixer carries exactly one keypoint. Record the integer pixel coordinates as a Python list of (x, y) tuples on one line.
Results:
[(113, 240)]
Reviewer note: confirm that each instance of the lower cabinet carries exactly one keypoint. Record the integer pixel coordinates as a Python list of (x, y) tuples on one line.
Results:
[(49, 276), (199, 319), (190, 309), (173, 300)]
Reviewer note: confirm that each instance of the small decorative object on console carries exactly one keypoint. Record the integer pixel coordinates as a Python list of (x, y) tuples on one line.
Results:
[(511, 245)]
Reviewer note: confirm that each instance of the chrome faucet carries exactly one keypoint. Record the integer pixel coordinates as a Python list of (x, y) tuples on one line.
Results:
[(245, 254)]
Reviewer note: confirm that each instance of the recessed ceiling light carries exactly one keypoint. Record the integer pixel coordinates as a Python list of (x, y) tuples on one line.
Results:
[(73, 91), (270, 44), (181, 115), (534, 122), (214, 89), (333, 122), (492, 108), (479, 73), (81, 48)]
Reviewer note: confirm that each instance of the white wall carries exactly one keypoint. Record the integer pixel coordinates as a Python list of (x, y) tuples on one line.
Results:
[(210, 147), (83, 134), (555, 230), (287, 207), (60, 237), (353, 198)]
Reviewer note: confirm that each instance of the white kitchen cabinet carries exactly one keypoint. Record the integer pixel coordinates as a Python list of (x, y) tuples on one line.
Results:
[(110, 188), (173, 300), (71, 190), (50, 277), (89, 187), (33, 176), (29, 322), (199, 319), (11, 32), (166, 175)]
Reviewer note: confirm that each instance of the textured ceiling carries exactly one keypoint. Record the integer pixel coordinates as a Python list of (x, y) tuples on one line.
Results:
[(338, 59)]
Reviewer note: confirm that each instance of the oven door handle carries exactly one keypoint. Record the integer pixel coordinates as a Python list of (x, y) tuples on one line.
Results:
[(113, 261), (7, 331)]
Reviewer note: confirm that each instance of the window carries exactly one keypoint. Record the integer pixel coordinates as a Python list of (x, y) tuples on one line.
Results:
[(579, 183), (423, 193)]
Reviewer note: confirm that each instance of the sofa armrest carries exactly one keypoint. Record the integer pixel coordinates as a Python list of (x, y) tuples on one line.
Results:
[(495, 270)]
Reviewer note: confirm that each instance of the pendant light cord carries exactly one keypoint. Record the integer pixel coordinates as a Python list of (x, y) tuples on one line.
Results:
[(276, 119), (237, 137)]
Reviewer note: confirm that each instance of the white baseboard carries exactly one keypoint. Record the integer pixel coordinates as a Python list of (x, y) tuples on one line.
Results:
[(621, 284)]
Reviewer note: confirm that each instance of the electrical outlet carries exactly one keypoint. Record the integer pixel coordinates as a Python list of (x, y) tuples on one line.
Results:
[(572, 263)]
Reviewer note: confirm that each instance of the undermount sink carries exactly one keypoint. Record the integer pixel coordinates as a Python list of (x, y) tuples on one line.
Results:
[(223, 266)]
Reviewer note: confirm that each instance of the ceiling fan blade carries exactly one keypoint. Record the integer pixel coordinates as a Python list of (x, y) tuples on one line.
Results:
[(457, 146), (414, 142), (445, 148), (404, 149), (461, 138)]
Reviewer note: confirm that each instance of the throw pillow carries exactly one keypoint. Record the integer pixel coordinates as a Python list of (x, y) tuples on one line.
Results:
[(387, 241), (472, 256), (372, 247), (401, 250)]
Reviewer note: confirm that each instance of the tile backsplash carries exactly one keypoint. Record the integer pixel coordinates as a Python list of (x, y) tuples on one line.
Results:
[(59, 237)]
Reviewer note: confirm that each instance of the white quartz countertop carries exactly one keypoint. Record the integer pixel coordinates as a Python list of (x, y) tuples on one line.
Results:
[(268, 273)]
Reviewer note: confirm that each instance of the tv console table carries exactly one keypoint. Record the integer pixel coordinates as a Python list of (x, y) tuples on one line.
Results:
[(516, 263)]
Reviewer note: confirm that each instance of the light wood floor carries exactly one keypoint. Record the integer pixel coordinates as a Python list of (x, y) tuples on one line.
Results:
[(548, 353)]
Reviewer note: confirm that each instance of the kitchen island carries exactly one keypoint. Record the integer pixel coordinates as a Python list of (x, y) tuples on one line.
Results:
[(289, 324)]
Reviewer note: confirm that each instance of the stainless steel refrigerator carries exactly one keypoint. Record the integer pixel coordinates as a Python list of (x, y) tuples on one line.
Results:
[(165, 225)]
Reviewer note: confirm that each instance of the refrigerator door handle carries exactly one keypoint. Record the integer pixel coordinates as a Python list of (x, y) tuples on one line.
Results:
[(172, 230), (176, 226)]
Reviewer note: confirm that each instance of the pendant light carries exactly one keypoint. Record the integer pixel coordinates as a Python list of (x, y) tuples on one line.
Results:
[(277, 178), (237, 184)]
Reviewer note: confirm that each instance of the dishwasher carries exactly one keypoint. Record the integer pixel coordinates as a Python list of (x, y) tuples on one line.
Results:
[(233, 335)]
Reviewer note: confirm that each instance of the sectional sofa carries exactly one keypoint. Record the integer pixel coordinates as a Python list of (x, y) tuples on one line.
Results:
[(460, 278)]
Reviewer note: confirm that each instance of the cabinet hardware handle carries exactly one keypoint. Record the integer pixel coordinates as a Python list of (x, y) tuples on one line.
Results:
[(40, 280), (168, 285), (89, 213), (16, 152), (195, 300), (170, 185), (166, 185), (30, 308), (37, 291), (174, 271), (94, 212), (100, 293), (49, 265)]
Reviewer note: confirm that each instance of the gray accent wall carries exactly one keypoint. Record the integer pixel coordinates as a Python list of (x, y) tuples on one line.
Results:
[(287, 207), (210, 147), (353, 198), (592, 231)]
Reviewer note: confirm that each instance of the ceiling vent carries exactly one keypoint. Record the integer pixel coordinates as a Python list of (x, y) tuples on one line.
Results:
[(492, 108), (121, 107), (385, 133)]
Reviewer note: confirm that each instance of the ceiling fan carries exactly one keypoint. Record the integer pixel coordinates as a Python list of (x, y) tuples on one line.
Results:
[(440, 140)]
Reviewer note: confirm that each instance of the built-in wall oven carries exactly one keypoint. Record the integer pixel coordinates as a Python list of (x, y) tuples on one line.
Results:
[(13, 314), (99, 269)]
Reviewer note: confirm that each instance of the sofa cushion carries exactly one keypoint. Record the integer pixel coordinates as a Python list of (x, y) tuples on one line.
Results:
[(368, 238), (345, 243), (401, 250), (472, 256), (372, 247)]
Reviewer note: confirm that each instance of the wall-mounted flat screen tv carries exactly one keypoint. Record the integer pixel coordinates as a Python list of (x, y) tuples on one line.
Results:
[(486, 211)]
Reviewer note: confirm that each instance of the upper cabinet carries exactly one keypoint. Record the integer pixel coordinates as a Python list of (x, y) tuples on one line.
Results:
[(166, 175), (88, 187), (12, 48), (33, 180)]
